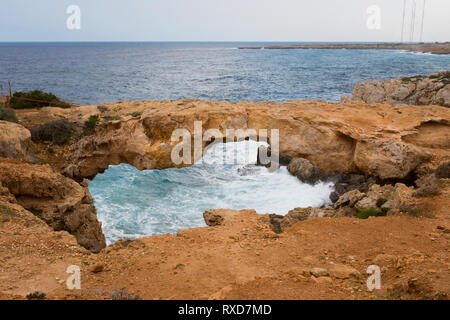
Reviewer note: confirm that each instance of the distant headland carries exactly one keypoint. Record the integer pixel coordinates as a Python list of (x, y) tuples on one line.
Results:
[(435, 48)]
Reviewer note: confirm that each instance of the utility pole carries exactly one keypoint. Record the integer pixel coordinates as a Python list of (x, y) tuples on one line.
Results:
[(423, 19), (8, 99), (403, 21), (413, 21)]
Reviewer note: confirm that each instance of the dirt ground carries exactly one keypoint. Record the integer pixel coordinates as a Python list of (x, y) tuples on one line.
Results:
[(243, 259)]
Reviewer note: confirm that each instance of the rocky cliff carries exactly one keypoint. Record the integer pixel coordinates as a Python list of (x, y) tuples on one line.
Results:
[(378, 140), (43, 193), (59, 201), (419, 90)]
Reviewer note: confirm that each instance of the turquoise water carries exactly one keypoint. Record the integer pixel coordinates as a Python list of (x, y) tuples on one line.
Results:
[(132, 204)]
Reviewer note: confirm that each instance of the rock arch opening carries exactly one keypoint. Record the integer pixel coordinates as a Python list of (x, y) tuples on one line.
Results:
[(132, 203)]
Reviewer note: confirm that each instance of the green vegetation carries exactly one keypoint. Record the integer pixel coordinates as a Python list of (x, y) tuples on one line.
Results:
[(36, 296), (381, 202), (36, 212), (92, 122), (122, 294), (111, 118), (36, 99), (365, 214), (57, 131), (441, 183), (7, 114), (5, 211), (136, 114)]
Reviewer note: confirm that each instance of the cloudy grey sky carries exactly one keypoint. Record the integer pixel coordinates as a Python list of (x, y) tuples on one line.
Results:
[(216, 20)]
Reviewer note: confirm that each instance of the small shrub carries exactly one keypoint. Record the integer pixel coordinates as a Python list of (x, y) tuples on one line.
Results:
[(7, 114), (122, 294), (109, 118), (136, 114), (36, 296), (5, 211), (57, 131), (92, 122), (441, 183), (36, 212), (365, 214), (381, 202), (44, 99), (443, 171), (417, 212)]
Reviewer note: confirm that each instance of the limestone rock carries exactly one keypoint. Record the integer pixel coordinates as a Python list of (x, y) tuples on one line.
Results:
[(443, 171), (319, 272), (349, 199), (219, 217), (341, 271), (427, 186), (15, 140), (265, 155), (388, 159), (418, 90), (403, 198), (348, 182), (375, 194), (279, 223), (343, 137), (306, 171), (59, 201)]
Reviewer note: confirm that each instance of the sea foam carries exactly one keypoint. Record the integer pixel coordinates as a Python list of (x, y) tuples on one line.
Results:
[(132, 203)]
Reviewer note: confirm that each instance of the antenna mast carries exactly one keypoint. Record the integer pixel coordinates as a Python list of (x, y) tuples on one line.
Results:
[(413, 21), (423, 19), (403, 21)]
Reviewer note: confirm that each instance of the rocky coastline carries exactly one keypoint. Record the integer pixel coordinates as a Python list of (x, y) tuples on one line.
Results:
[(389, 163), (434, 48)]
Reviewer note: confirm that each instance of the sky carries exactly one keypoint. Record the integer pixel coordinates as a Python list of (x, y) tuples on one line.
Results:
[(219, 20)]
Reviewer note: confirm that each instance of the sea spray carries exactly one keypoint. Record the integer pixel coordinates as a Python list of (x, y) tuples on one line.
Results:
[(132, 203)]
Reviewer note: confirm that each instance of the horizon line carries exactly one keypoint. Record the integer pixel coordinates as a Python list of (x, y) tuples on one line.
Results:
[(211, 41)]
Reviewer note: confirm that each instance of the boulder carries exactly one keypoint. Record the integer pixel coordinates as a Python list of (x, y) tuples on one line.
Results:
[(219, 217), (376, 197), (15, 140), (403, 199), (443, 171), (59, 201), (306, 171), (427, 186), (347, 182), (388, 159), (265, 155), (319, 272), (419, 90), (349, 199), (341, 271), (280, 223)]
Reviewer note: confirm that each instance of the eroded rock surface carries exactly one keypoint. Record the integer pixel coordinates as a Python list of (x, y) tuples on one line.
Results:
[(419, 90), (59, 201), (378, 140), (15, 140)]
